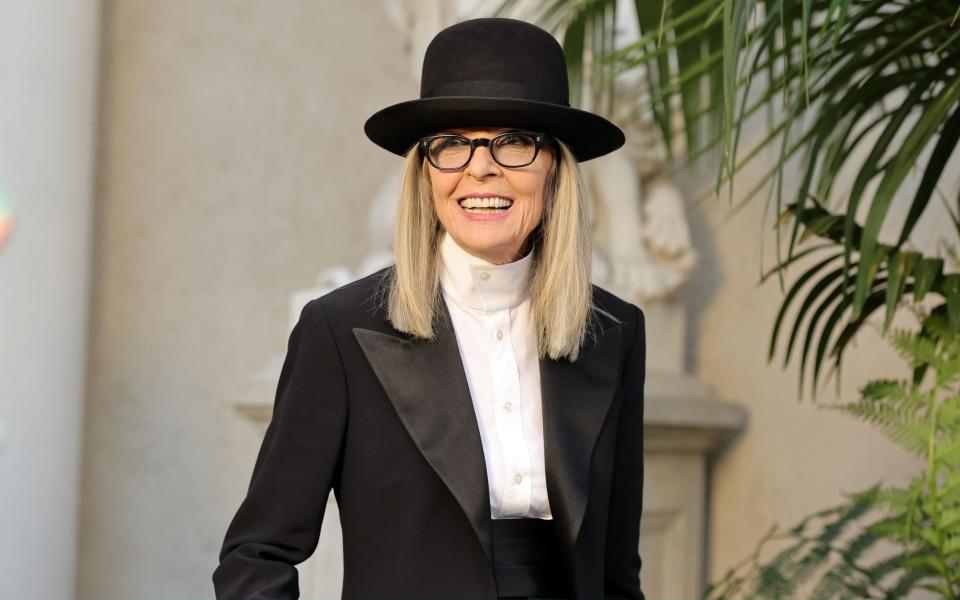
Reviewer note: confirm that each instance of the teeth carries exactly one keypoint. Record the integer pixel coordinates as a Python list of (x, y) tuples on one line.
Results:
[(495, 202)]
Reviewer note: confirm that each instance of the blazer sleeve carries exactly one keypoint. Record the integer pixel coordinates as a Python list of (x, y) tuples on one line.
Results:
[(622, 560), (278, 523)]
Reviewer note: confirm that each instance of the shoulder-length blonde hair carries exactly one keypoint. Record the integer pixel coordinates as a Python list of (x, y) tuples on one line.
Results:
[(561, 295)]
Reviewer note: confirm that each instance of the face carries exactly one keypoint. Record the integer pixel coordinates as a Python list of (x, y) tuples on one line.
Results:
[(497, 236)]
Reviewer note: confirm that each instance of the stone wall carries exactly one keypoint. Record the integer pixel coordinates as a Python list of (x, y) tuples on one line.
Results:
[(233, 168)]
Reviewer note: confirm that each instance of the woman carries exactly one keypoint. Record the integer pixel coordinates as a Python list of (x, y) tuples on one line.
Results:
[(477, 407)]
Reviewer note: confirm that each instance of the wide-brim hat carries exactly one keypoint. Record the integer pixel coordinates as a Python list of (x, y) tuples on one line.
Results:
[(494, 72)]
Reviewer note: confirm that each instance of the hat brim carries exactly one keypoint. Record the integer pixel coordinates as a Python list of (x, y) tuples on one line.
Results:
[(398, 127)]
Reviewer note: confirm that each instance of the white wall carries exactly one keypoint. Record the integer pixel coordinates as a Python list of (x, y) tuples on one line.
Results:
[(48, 73), (233, 169)]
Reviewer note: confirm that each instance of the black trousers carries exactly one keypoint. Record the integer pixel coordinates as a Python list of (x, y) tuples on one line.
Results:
[(527, 562)]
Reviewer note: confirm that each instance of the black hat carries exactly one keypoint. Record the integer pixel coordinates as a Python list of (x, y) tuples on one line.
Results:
[(494, 72)]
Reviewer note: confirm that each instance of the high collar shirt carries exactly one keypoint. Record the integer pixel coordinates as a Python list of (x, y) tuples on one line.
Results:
[(489, 306)]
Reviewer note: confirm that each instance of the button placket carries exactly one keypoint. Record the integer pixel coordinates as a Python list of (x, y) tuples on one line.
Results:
[(509, 385), (509, 421), (490, 295), (520, 490)]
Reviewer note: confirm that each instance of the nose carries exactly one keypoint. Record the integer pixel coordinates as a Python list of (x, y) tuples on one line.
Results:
[(482, 164)]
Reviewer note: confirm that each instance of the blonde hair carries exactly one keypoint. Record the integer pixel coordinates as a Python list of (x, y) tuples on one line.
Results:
[(561, 295)]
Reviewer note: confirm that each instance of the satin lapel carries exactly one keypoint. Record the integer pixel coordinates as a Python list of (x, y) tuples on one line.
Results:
[(427, 386), (576, 399)]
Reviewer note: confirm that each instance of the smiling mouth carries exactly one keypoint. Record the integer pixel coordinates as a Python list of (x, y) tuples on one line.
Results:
[(483, 206)]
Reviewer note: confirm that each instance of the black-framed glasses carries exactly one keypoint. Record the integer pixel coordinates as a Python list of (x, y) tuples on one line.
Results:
[(450, 152)]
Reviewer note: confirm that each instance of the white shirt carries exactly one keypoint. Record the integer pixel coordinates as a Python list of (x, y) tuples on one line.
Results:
[(489, 306)]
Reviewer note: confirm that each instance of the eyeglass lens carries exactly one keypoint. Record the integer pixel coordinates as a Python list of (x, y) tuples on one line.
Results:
[(510, 150)]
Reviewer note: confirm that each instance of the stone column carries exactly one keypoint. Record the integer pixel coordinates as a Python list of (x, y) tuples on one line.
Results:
[(48, 81)]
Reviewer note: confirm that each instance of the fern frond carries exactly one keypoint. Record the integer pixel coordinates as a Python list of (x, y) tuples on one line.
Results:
[(880, 389), (834, 582), (915, 349), (771, 583), (911, 434), (929, 535), (853, 511), (950, 518), (948, 418), (785, 558), (947, 367), (938, 588), (924, 563), (814, 558), (948, 454), (950, 490), (897, 499), (896, 394), (879, 570), (907, 430), (937, 327), (801, 527), (905, 583), (857, 545), (951, 545)]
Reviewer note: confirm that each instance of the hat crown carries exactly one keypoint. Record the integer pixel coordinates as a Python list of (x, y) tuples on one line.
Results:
[(493, 72), (495, 57)]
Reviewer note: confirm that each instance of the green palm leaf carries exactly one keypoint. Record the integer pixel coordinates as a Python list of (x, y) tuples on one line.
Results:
[(862, 86)]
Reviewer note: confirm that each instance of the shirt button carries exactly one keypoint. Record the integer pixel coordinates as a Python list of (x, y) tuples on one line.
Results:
[(484, 275), (508, 406), (518, 478), (499, 334)]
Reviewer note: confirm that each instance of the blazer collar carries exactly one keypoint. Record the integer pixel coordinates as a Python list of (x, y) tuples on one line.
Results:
[(426, 383)]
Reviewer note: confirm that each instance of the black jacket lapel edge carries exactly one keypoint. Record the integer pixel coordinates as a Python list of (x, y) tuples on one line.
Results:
[(426, 383), (576, 401)]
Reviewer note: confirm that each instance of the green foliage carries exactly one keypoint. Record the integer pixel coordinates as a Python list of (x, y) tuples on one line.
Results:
[(825, 555), (860, 90), (822, 287)]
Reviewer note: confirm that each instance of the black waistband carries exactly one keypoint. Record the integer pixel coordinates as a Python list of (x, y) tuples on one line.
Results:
[(527, 561)]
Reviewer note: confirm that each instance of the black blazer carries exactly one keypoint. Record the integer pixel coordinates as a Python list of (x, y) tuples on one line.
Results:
[(387, 421)]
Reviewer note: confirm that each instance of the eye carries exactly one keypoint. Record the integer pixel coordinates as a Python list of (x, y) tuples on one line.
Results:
[(514, 139), (451, 142)]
